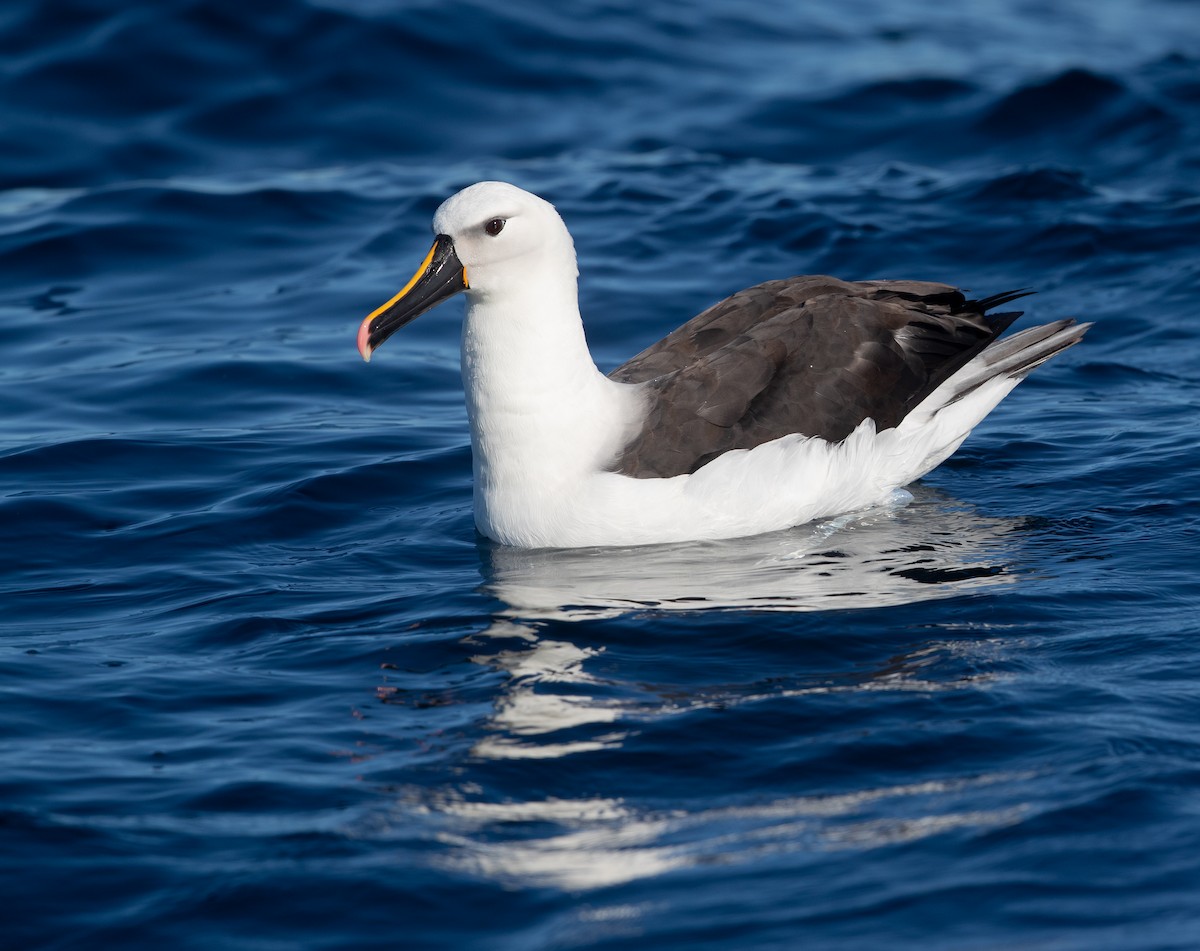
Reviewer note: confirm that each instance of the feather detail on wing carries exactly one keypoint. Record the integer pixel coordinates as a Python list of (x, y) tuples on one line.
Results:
[(810, 355)]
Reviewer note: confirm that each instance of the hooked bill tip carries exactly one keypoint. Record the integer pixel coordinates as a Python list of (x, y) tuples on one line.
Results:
[(364, 336)]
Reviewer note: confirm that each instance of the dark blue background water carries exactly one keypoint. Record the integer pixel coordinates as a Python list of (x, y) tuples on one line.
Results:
[(262, 685)]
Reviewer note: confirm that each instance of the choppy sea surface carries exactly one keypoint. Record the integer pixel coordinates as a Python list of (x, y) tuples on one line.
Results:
[(263, 687)]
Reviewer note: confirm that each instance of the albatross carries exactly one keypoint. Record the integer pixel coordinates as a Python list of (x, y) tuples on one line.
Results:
[(793, 400)]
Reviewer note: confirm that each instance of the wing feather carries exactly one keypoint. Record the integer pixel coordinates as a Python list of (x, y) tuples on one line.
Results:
[(811, 355)]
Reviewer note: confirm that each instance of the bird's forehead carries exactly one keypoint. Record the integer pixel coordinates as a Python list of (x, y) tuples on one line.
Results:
[(481, 201)]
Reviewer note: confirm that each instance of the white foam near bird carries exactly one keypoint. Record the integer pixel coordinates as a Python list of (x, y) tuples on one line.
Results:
[(790, 401)]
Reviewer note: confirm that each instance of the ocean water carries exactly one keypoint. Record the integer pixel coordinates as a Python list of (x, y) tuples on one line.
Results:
[(263, 687)]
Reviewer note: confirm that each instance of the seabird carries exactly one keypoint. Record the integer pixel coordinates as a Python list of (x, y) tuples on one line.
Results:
[(792, 400)]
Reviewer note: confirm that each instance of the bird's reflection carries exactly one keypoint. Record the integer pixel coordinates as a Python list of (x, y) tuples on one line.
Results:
[(526, 713), (552, 705), (925, 546), (595, 843), (567, 692)]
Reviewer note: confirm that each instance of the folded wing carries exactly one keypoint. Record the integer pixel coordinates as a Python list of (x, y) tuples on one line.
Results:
[(810, 355)]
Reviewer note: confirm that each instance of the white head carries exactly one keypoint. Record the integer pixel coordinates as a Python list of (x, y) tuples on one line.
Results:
[(491, 237), (495, 223)]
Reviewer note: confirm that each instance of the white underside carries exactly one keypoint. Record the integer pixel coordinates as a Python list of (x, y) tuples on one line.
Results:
[(786, 482)]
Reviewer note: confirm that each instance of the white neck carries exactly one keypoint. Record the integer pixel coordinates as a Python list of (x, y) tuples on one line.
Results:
[(541, 414)]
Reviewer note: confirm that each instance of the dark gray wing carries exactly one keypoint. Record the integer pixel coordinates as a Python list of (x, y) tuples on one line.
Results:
[(809, 355)]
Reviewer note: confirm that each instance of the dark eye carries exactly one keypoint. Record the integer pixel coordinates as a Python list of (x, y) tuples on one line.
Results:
[(494, 227)]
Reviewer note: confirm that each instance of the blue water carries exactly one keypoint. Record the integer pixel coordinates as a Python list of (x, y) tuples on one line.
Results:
[(263, 687)]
